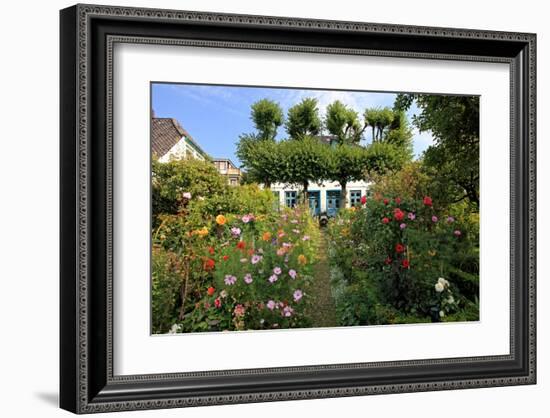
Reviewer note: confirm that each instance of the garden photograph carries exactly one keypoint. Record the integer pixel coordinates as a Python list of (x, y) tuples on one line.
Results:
[(276, 208)]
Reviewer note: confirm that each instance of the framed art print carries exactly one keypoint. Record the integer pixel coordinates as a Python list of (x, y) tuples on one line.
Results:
[(262, 208)]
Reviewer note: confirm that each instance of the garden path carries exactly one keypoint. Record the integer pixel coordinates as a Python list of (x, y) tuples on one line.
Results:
[(324, 312)]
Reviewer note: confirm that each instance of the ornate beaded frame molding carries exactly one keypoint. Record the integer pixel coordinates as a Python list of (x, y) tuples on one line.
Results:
[(81, 399)]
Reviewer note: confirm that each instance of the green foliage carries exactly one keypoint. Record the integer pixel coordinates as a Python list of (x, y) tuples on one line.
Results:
[(304, 161), (166, 272), (171, 179), (454, 158), (267, 116), (260, 158), (343, 122), (303, 119)]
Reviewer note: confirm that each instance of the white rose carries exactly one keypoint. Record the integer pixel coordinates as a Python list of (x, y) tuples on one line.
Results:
[(439, 287), (450, 300), (441, 314)]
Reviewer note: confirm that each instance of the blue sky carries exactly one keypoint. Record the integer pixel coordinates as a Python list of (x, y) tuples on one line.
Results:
[(215, 116)]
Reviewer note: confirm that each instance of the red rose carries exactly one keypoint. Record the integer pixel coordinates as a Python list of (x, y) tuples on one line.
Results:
[(363, 200), (398, 200), (399, 248), (387, 260), (386, 201), (385, 220), (427, 201), (225, 257), (217, 302), (405, 264), (210, 291), (211, 250), (241, 245), (398, 214), (209, 264)]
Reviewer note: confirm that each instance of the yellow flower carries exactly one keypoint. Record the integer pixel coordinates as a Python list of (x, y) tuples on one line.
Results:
[(302, 259), (202, 232), (266, 236), (221, 220)]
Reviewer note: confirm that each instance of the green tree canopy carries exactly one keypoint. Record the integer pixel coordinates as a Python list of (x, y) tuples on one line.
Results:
[(304, 161), (349, 163), (454, 158), (343, 122), (260, 158), (267, 116), (303, 119)]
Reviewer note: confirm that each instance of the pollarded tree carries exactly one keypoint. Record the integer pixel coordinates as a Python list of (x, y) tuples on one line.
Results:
[(378, 119), (304, 161), (267, 116), (349, 163), (343, 122), (260, 158), (303, 119)]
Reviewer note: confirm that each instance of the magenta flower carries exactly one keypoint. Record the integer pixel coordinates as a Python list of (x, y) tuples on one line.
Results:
[(403, 226), (248, 278), (411, 216), (292, 273), (450, 219), (247, 218), (270, 305), (255, 259), (277, 270), (235, 231), (229, 279), (273, 278), (297, 295), (435, 218), (457, 233), (305, 238)]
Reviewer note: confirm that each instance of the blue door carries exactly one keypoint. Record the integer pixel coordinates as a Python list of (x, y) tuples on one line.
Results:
[(333, 202), (314, 202)]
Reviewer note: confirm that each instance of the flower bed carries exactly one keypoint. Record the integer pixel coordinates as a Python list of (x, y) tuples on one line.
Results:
[(403, 260), (236, 272)]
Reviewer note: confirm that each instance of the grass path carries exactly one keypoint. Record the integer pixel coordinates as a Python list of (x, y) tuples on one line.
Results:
[(324, 311)]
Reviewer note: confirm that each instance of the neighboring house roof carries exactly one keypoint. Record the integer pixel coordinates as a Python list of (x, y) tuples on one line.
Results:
[(167, 132), (226, 160)]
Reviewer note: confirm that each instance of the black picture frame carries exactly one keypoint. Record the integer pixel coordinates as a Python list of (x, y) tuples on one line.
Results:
[(87, 36)]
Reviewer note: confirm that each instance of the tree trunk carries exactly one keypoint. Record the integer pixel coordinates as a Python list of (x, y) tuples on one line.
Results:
[(343, 194), (373, 137), (305, 197)]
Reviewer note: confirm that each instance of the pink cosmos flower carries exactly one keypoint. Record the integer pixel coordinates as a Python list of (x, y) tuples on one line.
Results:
[(248, 278), (255, 259), (270, 305), (435, 218), (247, 218), (288, 311), (457, 233), (273, 278), (450, 219), (292, 273), (305, 238), (297, 295), (235, 231), (277, 270), (411, 216), (287, 244), (229, 279), (281, 251), (403, 226)]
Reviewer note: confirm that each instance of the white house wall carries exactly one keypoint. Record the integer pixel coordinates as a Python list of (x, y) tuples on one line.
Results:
[(363, 186), (180, 151)]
